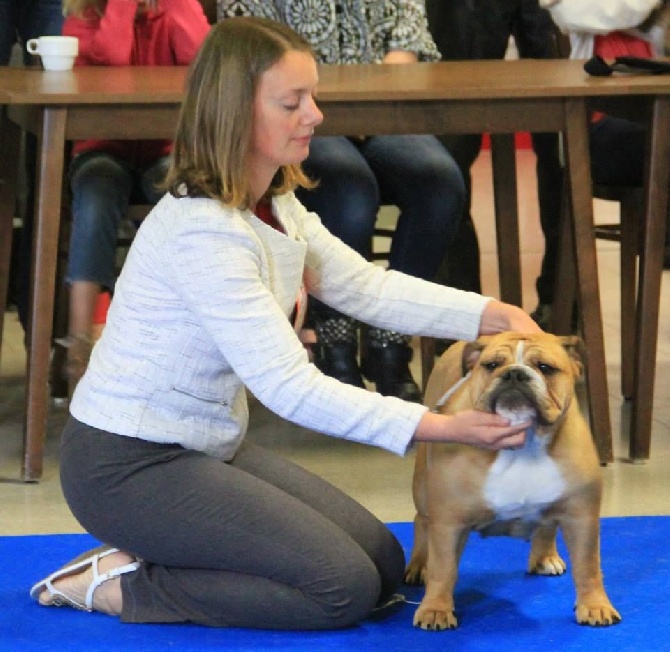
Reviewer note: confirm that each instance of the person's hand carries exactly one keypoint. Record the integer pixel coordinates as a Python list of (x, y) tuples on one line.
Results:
[(473, 427), (400, 56), (499, 316)]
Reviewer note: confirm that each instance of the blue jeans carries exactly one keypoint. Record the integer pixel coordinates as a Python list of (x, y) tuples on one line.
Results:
[(415, 173), (102, 188), (21, 20)]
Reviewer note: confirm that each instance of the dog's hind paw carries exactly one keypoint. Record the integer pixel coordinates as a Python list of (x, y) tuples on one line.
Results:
[(415, 574), (597, 615), (549, 565)]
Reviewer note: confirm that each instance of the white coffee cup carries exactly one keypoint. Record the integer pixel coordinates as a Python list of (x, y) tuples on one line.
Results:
[(57, 52)]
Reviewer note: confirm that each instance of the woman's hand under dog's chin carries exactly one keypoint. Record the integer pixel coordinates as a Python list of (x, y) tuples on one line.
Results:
[(498, 317), (473, 427)]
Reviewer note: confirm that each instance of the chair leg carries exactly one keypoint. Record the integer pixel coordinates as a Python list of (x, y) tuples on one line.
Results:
[(629, 249), (566, 280), (57, 379)]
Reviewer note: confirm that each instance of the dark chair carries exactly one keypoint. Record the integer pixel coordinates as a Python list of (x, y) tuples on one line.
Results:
[(627, 232)]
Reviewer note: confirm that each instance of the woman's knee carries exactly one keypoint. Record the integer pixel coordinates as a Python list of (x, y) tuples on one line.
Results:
[(352, 600)]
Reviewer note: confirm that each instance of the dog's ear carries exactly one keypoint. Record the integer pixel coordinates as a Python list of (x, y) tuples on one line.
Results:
[(472, 351), (576, 349)]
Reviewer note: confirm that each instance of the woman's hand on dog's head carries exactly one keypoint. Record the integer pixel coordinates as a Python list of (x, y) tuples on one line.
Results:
[(498, 317)]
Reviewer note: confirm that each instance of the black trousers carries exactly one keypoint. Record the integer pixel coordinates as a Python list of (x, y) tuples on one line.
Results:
[(255, 542), (480, 29)]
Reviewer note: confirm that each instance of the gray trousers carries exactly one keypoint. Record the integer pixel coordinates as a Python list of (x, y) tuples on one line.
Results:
[(255, 542)]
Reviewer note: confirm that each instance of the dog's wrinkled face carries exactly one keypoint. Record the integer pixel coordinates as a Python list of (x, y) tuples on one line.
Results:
[(524, 377)]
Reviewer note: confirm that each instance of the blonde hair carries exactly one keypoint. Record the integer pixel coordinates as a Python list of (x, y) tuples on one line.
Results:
[(78, 7), (215, 122)]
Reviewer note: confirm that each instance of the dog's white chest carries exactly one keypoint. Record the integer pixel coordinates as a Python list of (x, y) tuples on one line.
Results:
[(521, 483)]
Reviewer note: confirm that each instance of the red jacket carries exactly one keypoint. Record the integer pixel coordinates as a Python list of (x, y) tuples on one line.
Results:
[(171, 35)]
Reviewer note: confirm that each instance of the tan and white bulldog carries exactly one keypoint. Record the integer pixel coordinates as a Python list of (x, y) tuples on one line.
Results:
[(552, 481)]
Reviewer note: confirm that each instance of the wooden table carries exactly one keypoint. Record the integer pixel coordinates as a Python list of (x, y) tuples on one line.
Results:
[(499, 97)]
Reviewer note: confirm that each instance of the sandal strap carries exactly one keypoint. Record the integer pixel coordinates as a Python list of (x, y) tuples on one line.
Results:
[(101, 578)]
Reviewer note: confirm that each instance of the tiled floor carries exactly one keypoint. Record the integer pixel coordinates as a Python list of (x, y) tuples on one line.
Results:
[(378, 479)]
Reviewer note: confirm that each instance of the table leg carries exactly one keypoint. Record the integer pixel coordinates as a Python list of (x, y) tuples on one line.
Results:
[(503, 160), (45, 248), (579, 184), (649, 283), (10, 135)]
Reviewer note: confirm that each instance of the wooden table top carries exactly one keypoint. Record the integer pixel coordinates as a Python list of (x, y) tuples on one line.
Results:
[(453, 80)]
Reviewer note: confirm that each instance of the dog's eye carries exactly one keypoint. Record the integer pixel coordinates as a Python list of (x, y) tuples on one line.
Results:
[(490, 366), (546, 369)]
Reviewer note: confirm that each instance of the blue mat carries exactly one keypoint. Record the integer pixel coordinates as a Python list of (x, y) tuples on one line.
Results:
[(500, 607)]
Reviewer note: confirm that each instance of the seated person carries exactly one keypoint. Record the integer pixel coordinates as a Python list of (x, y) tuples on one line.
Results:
[(612, 28), (105, 175), (481, 29), (609, 29), (355, 175)]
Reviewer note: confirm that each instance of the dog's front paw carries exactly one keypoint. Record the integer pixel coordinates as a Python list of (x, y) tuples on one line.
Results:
[(435, 619), (597, 614), (547, 565)]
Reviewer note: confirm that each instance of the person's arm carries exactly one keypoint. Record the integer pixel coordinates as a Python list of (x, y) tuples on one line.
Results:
[(409, 32), (188, 28), (344, 280), (598, 16), (104, 40)]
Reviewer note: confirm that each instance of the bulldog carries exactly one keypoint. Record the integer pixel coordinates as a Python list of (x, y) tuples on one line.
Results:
[(552, 481)]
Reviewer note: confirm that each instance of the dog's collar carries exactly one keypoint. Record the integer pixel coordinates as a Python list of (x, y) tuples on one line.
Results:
[(447, 395)]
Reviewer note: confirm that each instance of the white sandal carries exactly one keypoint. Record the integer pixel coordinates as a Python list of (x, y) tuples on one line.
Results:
[(90, 558)]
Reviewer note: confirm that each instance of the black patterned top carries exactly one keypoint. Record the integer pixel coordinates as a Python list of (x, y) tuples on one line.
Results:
[(347, 31)]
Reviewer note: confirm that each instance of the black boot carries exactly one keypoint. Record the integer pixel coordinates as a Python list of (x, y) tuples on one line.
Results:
[(339, 361), (386, 363), (336, 350)]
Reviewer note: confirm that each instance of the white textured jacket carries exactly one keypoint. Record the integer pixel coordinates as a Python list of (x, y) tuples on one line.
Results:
[(200, 311)]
